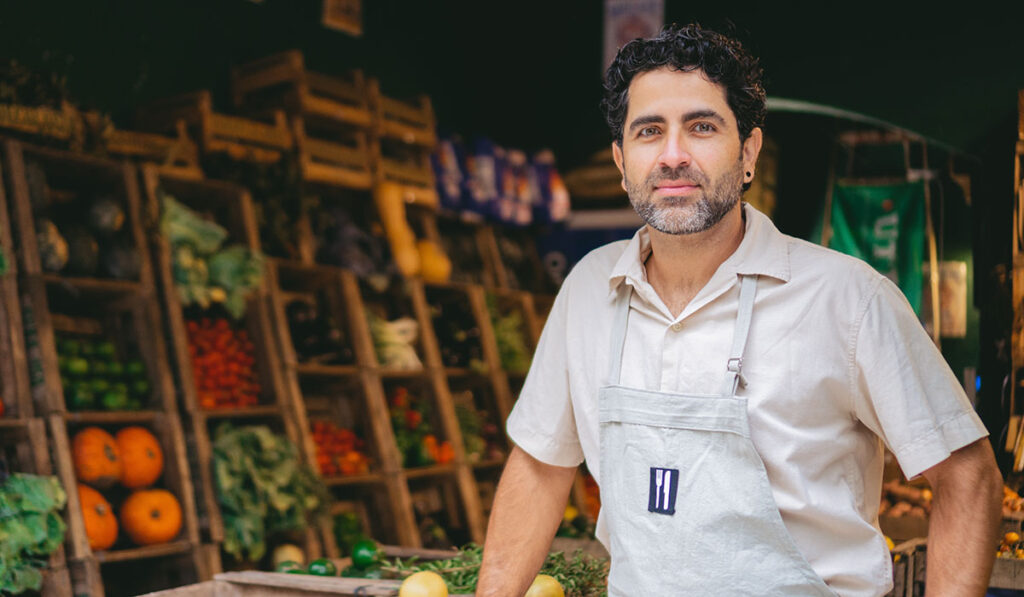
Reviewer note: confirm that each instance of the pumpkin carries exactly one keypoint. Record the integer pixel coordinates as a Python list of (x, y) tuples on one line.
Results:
[(151, 516), (142, 459), (96, 457), (100, 522)]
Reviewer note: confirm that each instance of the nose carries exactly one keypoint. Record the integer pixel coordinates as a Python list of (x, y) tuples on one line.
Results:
[(674, 152)]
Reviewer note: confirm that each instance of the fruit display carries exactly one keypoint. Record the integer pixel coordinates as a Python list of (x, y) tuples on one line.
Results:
[(142, 458), (1011, 547), (457, 331), (98, 515), (900, 499), (151, 516), (31, 529), (1012, 502), (480, 435), (510, 335), (204, 272), (410, 419), (84, 233), (261, 488), (339, 451), (96, 457), (578, 575), (316, 336), (95, 378), (222, 364)]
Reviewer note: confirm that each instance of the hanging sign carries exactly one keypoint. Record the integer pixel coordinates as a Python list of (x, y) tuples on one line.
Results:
[(885, 226), (626, 20)]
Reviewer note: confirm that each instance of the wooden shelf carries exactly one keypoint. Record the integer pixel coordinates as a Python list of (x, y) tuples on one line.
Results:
[(316, 369), (97, 417), (369, 479), (438, 470), (95, 286), (141, 553), (248, 412), (409, 374)]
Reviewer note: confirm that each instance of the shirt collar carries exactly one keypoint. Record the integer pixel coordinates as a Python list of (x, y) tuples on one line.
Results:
[(764, 251)]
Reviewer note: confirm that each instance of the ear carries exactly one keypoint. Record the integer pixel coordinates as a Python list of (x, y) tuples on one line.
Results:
[(617, 156), (751, 149)]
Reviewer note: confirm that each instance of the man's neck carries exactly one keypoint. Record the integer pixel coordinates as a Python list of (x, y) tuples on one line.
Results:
[(681, 264)]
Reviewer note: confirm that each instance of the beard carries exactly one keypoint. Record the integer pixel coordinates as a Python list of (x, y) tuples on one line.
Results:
[(676, 215)]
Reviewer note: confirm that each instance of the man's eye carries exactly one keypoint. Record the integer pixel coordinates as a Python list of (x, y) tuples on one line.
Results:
[(648, 131), (704, 127)]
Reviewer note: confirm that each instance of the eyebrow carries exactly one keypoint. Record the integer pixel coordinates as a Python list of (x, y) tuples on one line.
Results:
[(688, 117)]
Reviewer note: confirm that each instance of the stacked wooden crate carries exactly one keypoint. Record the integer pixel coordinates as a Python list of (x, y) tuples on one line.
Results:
[(23, 443), (88, 307)]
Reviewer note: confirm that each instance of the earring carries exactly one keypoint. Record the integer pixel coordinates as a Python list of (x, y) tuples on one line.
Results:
[(749, 175)]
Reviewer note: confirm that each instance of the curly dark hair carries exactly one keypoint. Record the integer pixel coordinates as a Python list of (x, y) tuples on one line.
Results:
[(722, 59)]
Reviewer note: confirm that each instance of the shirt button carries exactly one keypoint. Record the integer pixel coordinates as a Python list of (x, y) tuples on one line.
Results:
[(677, 326)]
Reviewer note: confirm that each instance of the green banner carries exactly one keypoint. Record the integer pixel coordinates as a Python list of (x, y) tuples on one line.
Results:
[(885, 226)]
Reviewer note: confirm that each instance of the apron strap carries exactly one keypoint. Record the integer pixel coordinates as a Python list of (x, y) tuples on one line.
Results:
[(618, 340), (734, 367)]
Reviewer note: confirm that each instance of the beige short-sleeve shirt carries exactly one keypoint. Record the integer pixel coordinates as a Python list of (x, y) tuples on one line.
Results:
[(836, 364)]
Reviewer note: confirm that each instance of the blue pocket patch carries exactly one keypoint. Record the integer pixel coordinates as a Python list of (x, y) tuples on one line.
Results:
[(662, 496)]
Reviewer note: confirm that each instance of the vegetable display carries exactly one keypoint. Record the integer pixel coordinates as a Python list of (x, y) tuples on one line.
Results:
[(316, 336), (222, 364), (480, 435), (261, 488), (204, 272), (410, 419), (98, 515), (339, 451), (580, 575), (95, 378), (395, 342), (457, 332), (509, 332), (30, 529), (96, 457), (151, 516), (142, 458), (348, 531)]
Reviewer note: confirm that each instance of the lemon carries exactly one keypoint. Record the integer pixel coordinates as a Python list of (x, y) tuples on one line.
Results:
[(545, 586), (570, 513), (423, 584), (1010, 538)]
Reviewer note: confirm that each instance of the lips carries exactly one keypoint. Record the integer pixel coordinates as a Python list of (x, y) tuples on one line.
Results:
[(676, 186)]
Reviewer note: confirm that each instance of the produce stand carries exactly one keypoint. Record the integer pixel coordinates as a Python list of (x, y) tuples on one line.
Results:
[(230, 207), (24, 449), (112, 309)]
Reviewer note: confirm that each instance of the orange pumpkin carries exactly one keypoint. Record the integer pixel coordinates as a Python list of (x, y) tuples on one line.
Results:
[(96, 457), (142, 460), (100, 522), (151, 516)]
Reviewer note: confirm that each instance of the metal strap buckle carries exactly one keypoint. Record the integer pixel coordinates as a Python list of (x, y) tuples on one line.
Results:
[(735, 365)]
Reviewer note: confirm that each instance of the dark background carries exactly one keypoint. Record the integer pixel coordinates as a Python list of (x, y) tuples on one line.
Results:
[(527, 74)]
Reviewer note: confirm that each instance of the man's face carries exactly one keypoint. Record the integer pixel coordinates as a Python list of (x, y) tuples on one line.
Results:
[(681, 159)]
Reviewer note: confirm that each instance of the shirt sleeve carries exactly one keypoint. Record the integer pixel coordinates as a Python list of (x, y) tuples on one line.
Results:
[(903, 389), (542, 421)]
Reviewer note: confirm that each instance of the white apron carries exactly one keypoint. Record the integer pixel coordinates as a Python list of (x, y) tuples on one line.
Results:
[(685, 495)]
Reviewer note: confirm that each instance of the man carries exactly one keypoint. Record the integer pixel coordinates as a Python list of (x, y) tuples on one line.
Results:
[(731, 387)]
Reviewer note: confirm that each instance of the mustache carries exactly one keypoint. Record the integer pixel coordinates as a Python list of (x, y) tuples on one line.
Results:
[(687, 172)]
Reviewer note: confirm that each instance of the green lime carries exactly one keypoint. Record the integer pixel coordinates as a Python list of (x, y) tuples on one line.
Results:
[(80, 397), (364, 553), (105, 349), (114, 400), (323, 567), (290, 566), (78, 366), (134, 369)]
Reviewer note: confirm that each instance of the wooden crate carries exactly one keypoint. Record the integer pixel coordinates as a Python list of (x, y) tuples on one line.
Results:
[(402, 136), (24, 448), (231, 207), (177, 154), (14, 377), (314, 389), (281, 81), (63, 125), (343, 161), (240, 138)]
